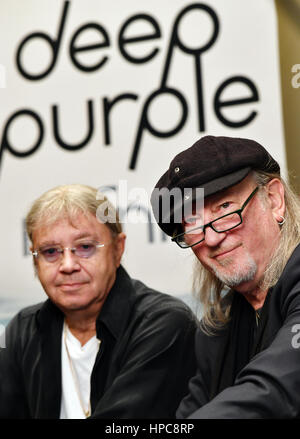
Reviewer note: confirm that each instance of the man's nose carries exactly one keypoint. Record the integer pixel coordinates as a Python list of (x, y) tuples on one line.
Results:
[(69, 261), (213, 238)]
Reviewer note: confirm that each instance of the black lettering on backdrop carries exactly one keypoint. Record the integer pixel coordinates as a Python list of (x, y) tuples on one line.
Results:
[(5, 137), (79, 49), (218, 103), (107, 106), (26, 243), (54, 44), (145, 123), (75, 48), (88, 137), (123, 211), (123, 40), (126, 39), (175, 41)]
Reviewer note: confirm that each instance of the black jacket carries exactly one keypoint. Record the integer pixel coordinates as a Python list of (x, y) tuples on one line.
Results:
[(142, 368), (268, 384)]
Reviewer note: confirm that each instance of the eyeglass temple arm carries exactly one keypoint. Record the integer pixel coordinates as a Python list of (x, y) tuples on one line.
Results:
[(249, 198)]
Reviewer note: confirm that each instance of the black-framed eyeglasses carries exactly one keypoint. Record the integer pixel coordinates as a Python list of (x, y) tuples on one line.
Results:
[(222, 224)]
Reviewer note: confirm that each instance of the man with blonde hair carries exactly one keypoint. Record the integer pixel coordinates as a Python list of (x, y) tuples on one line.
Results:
[(103, 345), (246, 240)]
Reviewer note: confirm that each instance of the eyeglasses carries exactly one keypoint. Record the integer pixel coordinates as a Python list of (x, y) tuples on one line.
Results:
[(53, 253), (219, 225)]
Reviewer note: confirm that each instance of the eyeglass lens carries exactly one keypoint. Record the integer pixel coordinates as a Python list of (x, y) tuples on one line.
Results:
[(227, 222), (193, 236), (53, 253)]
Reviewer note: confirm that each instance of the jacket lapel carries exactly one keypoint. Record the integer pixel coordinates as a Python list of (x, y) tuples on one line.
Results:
[(49, 398)]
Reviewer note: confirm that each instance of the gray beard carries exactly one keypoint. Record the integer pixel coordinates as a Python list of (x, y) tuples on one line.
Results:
[(242, 274)]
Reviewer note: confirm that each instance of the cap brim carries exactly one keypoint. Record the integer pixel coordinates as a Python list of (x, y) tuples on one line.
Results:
[(224, 182), (210, 188)]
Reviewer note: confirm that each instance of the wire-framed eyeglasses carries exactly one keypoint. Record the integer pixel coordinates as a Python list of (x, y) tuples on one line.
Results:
[(219, 225), (53, 253)]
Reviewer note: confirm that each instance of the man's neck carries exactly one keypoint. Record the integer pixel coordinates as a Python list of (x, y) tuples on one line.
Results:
[(82, 329), (256, 298)]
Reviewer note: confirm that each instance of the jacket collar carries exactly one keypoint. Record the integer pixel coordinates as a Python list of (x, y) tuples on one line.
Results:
[(112, 319), (117, 307), (114, 313)]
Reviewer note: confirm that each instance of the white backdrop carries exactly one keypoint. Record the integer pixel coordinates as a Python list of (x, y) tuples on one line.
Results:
[(103, 91)]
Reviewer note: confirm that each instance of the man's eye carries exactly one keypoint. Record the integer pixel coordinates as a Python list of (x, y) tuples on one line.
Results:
[(85, 250), (225, 205), (85, 246), (49, 251)]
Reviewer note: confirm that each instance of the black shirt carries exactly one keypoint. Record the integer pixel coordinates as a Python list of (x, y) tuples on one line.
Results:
[(246, 371), (145, 360)]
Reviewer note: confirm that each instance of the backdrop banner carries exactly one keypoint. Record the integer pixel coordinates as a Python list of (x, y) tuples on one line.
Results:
[(105, 93)]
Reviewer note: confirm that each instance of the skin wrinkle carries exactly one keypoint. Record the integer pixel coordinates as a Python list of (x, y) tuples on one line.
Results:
[(78, 286), (250, 246), (242, 274)]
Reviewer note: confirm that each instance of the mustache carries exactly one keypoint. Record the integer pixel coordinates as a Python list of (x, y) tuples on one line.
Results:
[(214, 253)]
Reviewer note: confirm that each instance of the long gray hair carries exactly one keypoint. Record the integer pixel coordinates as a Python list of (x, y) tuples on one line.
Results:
[(214, 296)]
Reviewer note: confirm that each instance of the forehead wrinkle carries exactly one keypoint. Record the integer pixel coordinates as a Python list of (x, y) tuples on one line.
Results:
[(76, 230), (238, 190), (233, 193), (216, 198), (76, 238)]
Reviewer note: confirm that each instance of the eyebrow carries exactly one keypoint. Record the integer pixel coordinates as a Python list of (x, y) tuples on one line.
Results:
[(223, 197), (77, 238), (214, 205)]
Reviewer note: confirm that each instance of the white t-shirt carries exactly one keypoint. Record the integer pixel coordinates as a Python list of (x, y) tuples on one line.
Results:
[(83, 360)]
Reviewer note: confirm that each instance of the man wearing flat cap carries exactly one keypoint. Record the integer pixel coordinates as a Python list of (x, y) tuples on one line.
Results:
[(246, 240)]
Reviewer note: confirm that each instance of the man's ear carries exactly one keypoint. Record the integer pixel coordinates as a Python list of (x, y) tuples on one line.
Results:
[(34, 261), (119, 244), (275, 191)]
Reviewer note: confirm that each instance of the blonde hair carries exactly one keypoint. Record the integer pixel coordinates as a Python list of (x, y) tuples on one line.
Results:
[(67, 201), (214, 296)]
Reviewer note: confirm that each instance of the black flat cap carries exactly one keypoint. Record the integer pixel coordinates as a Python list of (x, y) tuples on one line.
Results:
[(212, 163)]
